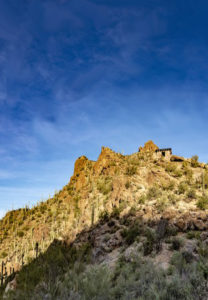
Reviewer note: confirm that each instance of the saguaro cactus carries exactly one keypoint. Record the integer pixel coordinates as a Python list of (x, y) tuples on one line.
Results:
[(93, 214), (36, 249), (23, 259)]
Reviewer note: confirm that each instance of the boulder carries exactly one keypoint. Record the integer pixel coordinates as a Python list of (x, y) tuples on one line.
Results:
[(11, 286), (205, 242), (204, 235), (199, 224), (177, 158), (132, 251), (181, 224), (189, 250)]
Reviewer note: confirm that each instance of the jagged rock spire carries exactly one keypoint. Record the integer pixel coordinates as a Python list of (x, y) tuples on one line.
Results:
[(148, 146)]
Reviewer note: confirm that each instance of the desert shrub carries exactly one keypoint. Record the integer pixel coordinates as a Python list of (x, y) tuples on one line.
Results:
[(76, 207), (176, 243), (193, 235), (112, 163), (203, 251), (122, 204), (172, 198), (4, 254), (105, 186), (202, 202), (132, 211), (182, 188), (131, 170), (162, 203), (194, 161), (149, 244), (178, 261), (135, 279), (142, 199), (170, 167), (130, 234), (177, 173), (20, 233), (135, 161), (43, 208), (70, 190), (26, 228), (188, 256), (206, 179), (171, 230), (169, 186), (127, 184), (188, 172), (104, 216), (191, 194), (153, 193), (115, 213)]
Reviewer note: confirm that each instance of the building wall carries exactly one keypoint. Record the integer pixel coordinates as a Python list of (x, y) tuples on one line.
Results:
[(159, 155)]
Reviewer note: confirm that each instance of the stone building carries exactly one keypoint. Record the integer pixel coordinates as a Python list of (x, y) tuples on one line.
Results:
[(165, 153), (158, 153)]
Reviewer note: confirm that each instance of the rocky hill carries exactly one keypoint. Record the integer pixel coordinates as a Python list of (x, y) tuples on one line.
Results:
[(124, 227)]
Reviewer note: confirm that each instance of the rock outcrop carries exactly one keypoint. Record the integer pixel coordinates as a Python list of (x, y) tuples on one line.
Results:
[(148, 147), (177, 158)]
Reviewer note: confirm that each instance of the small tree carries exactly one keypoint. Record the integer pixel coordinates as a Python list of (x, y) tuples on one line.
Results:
[(194, 161)]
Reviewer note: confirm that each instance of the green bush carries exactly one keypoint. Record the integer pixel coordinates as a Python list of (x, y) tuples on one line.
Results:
[(193, 235), (202, 202), (170, 167), (4, 254), (176, 243), (105, 186), (142, 199), (170, 186), (194, 161), (188, 172), (153, 193), (130, 234), (104, 216), (191, 194), (182, 188), (203, 251), (177, 173), (116, 213), (20, 233), (172, 198), (127, 184), (149, 244), (131, 170), (162, 203)]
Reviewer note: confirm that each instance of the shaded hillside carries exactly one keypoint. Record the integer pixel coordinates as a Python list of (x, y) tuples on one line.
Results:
[(143, 186), (120, 258)]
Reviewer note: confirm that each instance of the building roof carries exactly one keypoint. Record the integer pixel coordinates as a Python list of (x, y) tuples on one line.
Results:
[(164, 149)]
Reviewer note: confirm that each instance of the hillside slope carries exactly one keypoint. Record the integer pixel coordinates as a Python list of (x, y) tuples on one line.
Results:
[(115, 209)]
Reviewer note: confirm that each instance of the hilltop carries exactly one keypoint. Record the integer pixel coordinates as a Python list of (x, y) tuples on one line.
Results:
[(122, 213)]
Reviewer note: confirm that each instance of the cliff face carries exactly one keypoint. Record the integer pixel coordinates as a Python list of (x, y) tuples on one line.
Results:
[(154, 188)]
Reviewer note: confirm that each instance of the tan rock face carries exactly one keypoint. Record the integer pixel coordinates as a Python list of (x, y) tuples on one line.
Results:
[(105, 159), (80, 164), (148, 147), (79, 175)]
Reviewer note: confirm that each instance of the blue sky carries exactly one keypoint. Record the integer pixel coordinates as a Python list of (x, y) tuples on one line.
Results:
[(79, 74)]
